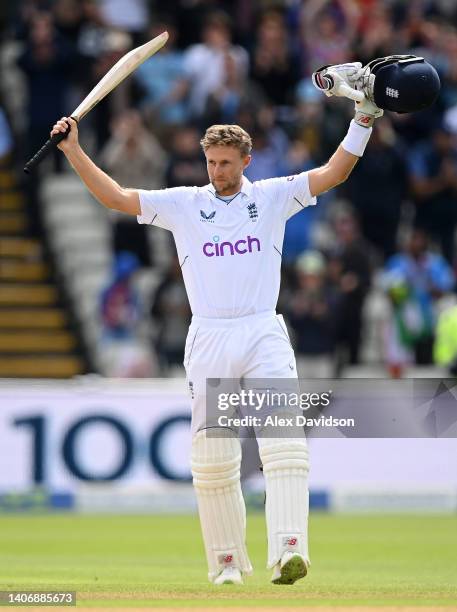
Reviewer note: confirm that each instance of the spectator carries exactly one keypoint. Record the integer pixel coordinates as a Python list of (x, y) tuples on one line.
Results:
[(79, 22), (69, 19), (190, 15), (131, 17), (433, 172), (377, 34), (120, 303), (311, 314), (172, 315), (235, 92), (122, 353), (205, 62), (132, 156), (270, 146), (273, 65), (114, 45), (378, 188), (349, 271), (328, 30), (186, 165), (46, 62), (316, 122), (163, 81), (414, 279), (298, 235), (26, 13)]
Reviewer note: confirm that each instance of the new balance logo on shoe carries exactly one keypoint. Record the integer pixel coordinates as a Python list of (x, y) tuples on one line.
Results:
[(290, 541)]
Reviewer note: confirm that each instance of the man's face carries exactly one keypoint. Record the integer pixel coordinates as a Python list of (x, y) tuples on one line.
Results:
[(225, 166)]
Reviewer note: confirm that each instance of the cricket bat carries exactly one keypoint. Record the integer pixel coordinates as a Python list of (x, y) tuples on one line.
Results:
[(120, 71)]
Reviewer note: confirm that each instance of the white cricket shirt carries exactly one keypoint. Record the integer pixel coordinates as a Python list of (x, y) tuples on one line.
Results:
[(230, 254)]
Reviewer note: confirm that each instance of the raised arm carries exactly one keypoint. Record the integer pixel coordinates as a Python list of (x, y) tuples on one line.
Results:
[(335, 171), (102, 187)]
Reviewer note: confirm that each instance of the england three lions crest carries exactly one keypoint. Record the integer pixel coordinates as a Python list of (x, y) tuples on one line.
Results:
[(252, 211)]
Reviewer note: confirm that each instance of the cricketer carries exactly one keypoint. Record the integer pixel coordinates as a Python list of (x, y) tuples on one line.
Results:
[(229, 237)]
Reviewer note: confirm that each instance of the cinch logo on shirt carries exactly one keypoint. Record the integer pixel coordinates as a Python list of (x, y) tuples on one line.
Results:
[(240, 247)]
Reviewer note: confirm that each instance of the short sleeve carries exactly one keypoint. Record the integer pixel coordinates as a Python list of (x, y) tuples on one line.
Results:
[(161, 207), (291, 193)]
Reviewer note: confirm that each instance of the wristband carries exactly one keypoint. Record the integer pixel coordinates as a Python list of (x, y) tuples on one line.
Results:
[(356, 139)]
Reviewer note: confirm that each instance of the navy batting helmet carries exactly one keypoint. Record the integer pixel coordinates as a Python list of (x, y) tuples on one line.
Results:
[(404, 83)]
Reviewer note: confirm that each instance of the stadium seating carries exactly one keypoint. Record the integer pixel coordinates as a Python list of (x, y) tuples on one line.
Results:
[(36, 336), (80, 235)]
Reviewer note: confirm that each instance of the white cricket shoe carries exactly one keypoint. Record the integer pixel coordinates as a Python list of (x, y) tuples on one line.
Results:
[(291, 568), (229, 575)]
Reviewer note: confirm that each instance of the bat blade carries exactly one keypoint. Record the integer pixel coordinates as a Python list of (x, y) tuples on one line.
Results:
[(120, 71)]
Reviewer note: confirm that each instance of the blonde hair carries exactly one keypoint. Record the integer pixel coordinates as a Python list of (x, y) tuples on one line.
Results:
[(227, 136)]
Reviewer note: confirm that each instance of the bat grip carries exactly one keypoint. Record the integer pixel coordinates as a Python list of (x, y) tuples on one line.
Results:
[(43, 152)]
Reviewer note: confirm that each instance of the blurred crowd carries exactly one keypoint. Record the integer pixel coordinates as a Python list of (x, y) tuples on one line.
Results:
[(390, 227)]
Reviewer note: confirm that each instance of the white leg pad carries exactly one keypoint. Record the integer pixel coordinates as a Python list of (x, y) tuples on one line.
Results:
[(215, 466), (285, 468)]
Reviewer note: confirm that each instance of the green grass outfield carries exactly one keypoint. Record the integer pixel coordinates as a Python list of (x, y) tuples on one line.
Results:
[(135, 561)]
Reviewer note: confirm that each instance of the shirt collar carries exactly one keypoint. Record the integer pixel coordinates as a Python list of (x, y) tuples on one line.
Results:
[(246, 187)]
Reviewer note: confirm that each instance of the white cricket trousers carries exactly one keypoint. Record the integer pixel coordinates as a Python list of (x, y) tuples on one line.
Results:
[(251, 347), (254, 346)]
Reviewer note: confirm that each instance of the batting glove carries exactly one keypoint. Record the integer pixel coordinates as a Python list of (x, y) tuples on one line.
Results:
[(366, 112), (339, 80)]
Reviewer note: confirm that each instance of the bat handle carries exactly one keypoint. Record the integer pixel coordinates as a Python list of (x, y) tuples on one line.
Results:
[(50, 144)]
